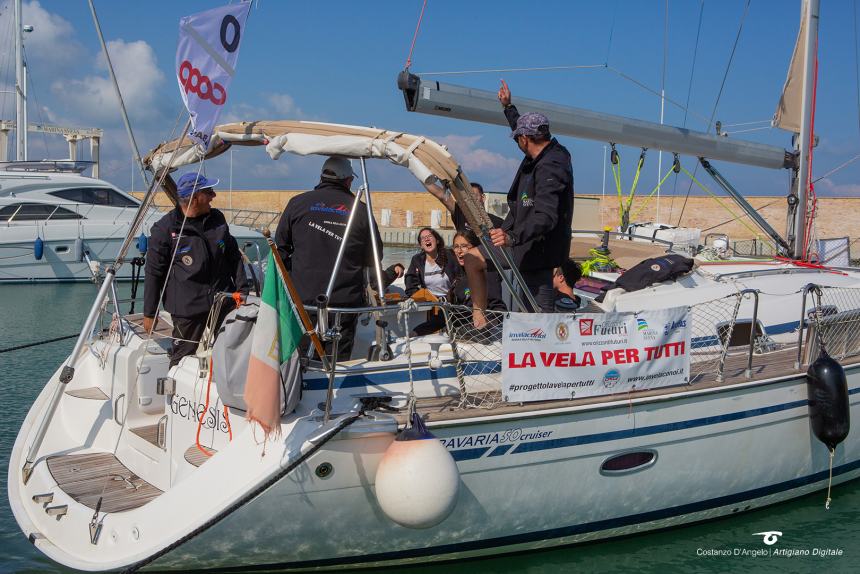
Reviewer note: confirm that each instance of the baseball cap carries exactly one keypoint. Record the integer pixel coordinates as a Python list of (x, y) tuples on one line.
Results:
[(531, 124), (191, 182), (337, 167)]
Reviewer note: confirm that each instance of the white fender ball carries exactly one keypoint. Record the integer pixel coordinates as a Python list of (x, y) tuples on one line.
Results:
[(417, 481)]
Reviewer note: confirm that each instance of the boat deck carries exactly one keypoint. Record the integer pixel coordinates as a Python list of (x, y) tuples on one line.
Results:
[(93, 476), (765, 366)]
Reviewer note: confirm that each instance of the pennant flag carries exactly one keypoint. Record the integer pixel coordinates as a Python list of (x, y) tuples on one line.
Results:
[(275, 342), (206, 62)]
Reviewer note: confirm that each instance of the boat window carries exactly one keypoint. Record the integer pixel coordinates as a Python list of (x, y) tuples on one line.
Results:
[(95, 196), (628, 462), (36, 212)]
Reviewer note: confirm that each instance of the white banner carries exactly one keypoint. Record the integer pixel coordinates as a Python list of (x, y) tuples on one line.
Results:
[(556, 356), (206, 62)]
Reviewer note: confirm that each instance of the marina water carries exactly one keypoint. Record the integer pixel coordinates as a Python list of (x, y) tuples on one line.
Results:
[(813, 539)]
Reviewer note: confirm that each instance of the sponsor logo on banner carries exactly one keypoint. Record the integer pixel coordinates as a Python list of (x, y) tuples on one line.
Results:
[(586, 326), (611, 377), (673, 326), (533, 335), (599, 354)]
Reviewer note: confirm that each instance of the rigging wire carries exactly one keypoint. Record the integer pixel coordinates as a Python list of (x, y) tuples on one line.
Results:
[(507, 70), (611, 33), (415, 35), (655, 92), (34, 91), (837, 168), (719, 94), (687, 104)]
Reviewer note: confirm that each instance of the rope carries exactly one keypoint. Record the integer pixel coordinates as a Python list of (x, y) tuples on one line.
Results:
[(829, 481), (719, 202), (653, 191), (28, 345), (203, 414), (597, 259), (415, 35), (811, 198)]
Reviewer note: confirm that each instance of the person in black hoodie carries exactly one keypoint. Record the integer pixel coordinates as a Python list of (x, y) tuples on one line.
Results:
[(540, 200), (192, 243), (308, 238)]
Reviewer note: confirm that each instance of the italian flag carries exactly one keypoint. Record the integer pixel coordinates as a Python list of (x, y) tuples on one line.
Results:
[(276, 340)]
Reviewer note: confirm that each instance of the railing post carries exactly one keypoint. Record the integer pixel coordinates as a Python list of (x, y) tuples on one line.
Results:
[(754, 293), (800, 324)]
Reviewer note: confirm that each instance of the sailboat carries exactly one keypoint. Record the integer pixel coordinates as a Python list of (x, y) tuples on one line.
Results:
[(122, 463)]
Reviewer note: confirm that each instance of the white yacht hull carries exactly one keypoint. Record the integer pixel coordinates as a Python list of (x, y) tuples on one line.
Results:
[(529, 480)]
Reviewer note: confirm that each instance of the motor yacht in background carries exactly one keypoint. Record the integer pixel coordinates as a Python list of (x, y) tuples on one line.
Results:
[(56, 224)]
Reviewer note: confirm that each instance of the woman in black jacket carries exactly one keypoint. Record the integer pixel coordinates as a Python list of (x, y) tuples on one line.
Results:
[(433, 268)]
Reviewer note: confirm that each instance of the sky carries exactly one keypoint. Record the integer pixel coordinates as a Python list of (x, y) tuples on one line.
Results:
[(338, 62)]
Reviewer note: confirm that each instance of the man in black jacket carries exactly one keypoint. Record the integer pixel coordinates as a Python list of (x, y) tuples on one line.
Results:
[(309, 236), (540, 201), (190, 258)]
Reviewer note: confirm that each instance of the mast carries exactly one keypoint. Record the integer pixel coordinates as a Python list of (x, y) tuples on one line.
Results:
[(20, 89), (801, 181)]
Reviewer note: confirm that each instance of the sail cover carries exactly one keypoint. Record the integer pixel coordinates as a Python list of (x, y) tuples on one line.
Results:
[(428, 161), (790, 108)]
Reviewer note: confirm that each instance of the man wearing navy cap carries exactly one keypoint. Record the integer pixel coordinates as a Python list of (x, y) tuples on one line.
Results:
[(190, 258), (540, 200)]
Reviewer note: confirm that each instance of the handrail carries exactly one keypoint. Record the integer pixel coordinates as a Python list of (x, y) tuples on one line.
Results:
[(753, 326), (627, 236), (802, 322)]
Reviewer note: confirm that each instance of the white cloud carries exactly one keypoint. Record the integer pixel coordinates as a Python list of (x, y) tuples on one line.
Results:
[(493, 169), (284, 105), (52, 42), (140, 81)]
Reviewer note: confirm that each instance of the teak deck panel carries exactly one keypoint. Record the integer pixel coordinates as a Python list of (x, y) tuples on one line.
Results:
[(148, 433), (88, 477)]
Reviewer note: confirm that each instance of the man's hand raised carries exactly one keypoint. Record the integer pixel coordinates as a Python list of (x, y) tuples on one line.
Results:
[(505, 94)]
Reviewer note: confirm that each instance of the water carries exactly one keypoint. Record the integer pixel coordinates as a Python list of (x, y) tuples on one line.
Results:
[(35, 312)]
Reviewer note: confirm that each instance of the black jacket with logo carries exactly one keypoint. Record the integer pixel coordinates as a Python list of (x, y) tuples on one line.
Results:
[(541, 206), (206, 261), (309, 235)]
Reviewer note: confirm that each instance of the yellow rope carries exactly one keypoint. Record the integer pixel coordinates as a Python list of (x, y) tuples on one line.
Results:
[(719, 202), (653, 191)]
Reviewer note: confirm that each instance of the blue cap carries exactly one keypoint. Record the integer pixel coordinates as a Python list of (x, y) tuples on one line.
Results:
[(191, 182), (531, 124)]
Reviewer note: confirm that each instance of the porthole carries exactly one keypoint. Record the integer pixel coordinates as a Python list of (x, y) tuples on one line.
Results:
[(628, 462), (324, 470), (61, 248)]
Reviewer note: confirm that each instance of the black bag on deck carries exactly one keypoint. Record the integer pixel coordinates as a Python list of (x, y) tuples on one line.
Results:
[(651, 271)]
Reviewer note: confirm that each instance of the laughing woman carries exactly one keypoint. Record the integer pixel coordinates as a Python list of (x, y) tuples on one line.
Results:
[(433, 268)]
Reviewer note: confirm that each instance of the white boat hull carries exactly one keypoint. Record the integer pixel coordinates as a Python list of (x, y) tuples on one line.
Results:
[(529, 481)]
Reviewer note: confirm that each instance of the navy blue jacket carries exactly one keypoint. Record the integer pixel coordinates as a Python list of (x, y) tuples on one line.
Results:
[(309, 235), (206, 261), (541, 206)]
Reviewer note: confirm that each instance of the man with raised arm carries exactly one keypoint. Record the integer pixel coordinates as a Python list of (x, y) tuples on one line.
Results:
[(191, 257), (540, 200)]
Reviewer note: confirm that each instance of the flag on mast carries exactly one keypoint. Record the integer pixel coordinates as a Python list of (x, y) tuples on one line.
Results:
[(273, 367), (206, 62)]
